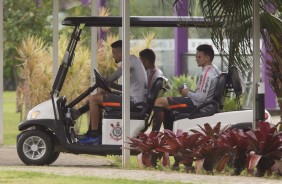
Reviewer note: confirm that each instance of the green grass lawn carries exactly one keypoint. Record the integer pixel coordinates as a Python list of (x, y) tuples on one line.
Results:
[(11, 118), (14, 177)]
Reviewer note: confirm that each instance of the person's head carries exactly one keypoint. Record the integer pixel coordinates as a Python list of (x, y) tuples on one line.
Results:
[(205, 55), (148, 58), (117, 51)]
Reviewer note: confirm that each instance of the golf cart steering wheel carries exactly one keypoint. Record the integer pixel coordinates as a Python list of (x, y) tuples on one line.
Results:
[(101, 81)]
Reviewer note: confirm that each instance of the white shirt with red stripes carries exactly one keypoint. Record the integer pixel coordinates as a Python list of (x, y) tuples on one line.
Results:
[(206, 84)]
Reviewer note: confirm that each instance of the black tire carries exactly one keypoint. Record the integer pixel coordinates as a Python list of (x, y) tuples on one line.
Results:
[(244, 126), (53, 158), (35, 147)]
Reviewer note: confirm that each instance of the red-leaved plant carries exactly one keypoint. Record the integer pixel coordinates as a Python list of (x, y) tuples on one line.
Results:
[(181, 145), (267, 144), (148, 144), (239, 145), (212, 152), (213, 148)]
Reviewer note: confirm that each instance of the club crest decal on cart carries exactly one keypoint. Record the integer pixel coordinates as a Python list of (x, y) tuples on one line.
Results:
[(116, 132)]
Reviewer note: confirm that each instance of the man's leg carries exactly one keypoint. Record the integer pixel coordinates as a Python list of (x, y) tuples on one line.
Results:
[(76, 113), (93, 136), (168, 120), (164, 105), (161, 104), (95, 103)]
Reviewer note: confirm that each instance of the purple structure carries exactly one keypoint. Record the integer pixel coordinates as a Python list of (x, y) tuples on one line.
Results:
[(85, 2), (180, 40), (270, 96)]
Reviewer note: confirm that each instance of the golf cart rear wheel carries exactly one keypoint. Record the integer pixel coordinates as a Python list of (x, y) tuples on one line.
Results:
[(35, 147)]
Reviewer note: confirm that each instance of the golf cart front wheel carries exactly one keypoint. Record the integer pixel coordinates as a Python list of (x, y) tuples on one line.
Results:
[(35, 147), (53, 158)]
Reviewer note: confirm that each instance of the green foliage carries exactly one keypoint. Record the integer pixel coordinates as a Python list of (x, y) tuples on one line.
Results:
[(21, 19), (175, 82), (36, 71), (231, 104), (145, 8)]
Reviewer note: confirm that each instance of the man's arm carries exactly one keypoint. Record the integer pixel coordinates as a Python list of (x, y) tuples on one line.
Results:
[(201, 93), (115, 76)]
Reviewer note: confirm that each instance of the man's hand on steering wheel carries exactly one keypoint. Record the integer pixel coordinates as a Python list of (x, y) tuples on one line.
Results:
[(101, 81)]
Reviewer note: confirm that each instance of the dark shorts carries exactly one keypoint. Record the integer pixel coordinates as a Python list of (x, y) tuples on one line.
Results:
[(114, 102), (181, 104)]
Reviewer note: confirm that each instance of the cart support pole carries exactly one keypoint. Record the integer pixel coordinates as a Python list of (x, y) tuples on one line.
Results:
[(125, 83), (256, 58), (94, 45), (55, 38)]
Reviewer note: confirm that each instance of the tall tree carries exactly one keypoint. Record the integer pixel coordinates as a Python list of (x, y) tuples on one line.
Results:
[(21, 19)]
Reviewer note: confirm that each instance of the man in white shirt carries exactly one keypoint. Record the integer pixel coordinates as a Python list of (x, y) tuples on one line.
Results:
[(138, 93)]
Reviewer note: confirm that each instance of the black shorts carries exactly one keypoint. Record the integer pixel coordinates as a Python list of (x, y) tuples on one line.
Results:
[(114, 102), (181, 104)]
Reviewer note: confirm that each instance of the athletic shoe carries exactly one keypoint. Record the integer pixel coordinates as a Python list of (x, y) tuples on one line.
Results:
[(95, 140)]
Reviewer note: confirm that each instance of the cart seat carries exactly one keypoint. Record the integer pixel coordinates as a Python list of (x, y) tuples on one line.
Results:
[(137, 113)]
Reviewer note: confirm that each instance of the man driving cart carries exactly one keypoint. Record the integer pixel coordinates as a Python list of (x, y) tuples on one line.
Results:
[(138, 93)]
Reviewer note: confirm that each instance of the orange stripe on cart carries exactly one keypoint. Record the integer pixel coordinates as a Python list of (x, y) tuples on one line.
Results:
[(177, 106), (111, 104)]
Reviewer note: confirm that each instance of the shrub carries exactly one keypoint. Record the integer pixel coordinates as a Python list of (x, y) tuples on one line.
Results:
[(214, 148), (36, 71), (267, 149)]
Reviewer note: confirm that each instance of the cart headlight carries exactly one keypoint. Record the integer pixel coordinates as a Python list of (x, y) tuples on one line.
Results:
[(33, 114)]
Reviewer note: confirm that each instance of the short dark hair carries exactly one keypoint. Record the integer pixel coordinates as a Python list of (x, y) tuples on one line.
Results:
[(148, 54), (207, 50), (117, 44)]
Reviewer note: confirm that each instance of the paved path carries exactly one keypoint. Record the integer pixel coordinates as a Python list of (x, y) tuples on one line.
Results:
[(9, 157), (85, 165)]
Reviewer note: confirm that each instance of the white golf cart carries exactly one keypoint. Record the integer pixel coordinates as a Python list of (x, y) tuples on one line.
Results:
[(49, 126)]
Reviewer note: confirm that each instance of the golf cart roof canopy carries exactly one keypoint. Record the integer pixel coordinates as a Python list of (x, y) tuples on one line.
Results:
[(140, 21)]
